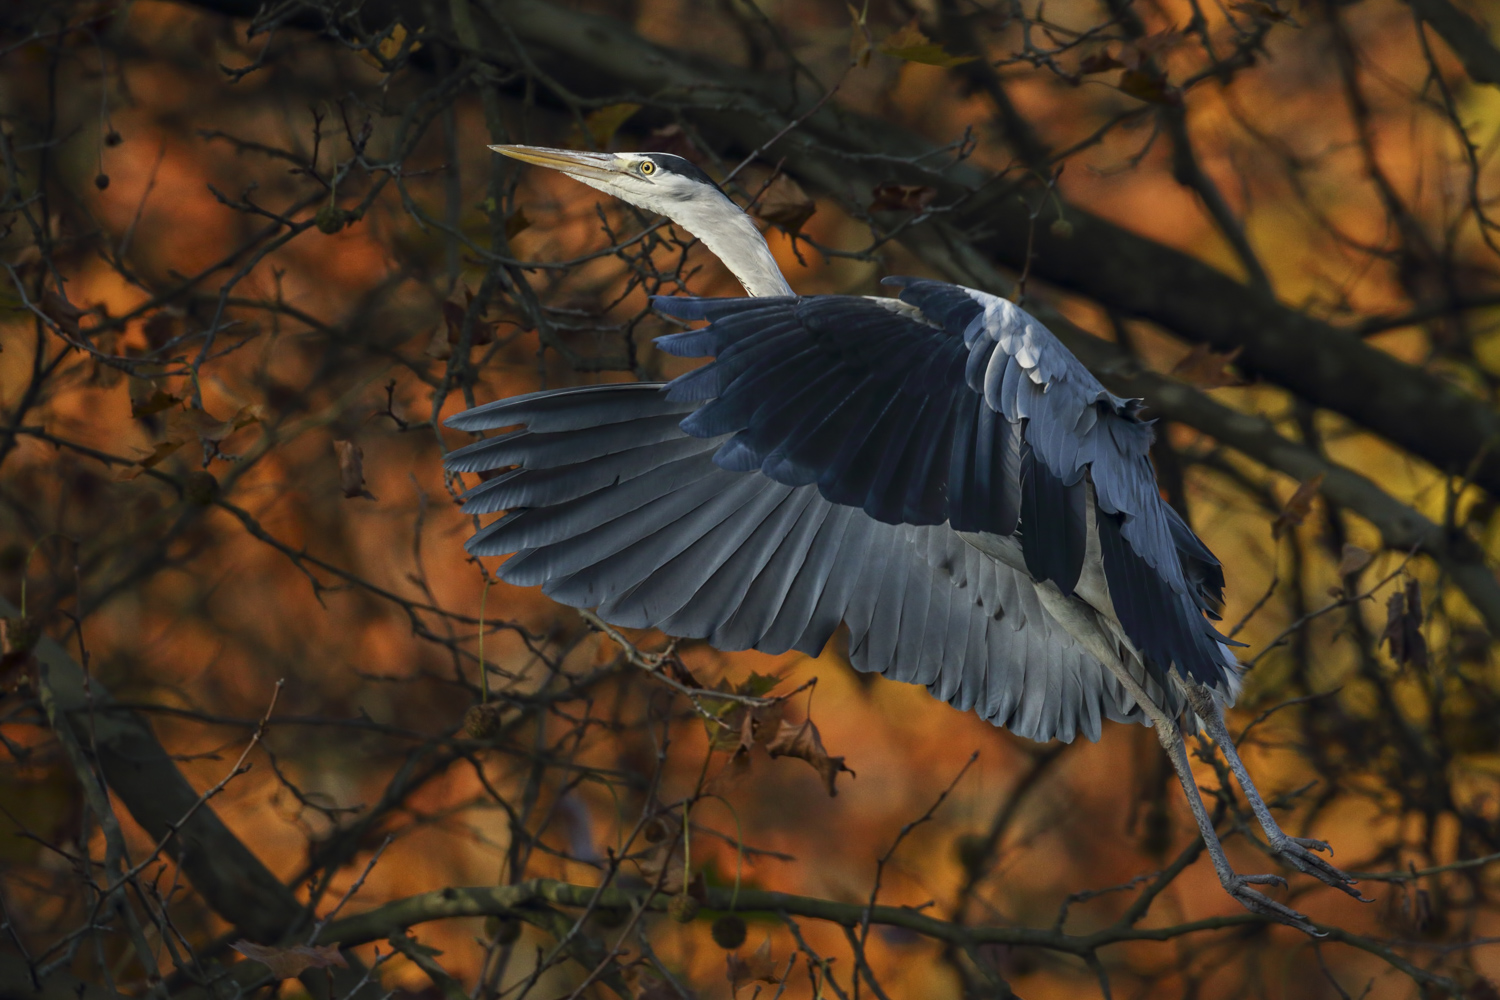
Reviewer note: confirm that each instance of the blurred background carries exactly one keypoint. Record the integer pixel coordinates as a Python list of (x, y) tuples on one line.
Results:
[(254, 253)]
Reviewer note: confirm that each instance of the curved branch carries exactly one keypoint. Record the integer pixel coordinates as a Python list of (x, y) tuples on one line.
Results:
[(846, 155), (516, 901), (1468, 39), (138, 769)]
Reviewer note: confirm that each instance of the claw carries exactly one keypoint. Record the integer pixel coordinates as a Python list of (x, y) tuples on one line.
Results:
[(1312, 843), (1297, 852), (1263, 905)]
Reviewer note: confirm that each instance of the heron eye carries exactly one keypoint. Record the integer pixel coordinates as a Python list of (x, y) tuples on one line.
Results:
[(647, 167)]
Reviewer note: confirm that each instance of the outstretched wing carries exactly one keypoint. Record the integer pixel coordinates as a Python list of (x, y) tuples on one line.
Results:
[(613, 506), (954, 406)]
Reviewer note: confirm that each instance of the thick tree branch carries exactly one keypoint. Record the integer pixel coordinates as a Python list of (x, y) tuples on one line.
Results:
[(1468, 39), (846, 155), (137, 768), (515, 901)]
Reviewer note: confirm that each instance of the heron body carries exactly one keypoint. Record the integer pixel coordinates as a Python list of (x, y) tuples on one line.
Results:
[(935, 471)]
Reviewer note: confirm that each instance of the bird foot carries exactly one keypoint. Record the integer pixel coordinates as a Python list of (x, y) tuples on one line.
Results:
[(1298, 852), (1239, 886)]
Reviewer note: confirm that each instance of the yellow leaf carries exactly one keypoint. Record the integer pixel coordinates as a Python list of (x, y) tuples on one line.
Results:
[(391, 44), (910, 44), (388, 47), (604, 123)]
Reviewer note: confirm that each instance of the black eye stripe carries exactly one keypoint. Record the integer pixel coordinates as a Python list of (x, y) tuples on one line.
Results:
[(671, 164)]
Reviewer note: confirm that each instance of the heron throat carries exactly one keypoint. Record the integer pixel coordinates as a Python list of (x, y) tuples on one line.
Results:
[(731, 235)]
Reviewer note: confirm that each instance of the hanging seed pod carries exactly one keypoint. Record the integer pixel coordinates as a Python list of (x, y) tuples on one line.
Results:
[(683, 908), (482, 721), (729, 931)]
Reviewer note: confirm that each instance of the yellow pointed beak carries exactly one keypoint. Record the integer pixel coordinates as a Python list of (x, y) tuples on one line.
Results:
[(569, 161)]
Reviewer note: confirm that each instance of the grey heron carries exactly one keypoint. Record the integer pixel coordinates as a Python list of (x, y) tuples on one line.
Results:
[(936, 471)]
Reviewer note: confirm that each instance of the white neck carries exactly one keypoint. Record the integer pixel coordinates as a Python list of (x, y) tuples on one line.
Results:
[(731, 235), (722, 225)]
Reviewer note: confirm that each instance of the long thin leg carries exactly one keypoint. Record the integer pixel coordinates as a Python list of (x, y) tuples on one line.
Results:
[(1296, 851), (1082, 622), (1236, 885)]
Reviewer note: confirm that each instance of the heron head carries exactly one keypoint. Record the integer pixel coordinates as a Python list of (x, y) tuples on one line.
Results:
[(671, 186), (658, 182)]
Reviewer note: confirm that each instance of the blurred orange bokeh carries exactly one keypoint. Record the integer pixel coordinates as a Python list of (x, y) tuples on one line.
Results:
[(199, 614)]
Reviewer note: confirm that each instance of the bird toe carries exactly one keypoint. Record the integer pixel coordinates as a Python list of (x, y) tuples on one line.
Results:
[(1262, 905), (1298, 852)]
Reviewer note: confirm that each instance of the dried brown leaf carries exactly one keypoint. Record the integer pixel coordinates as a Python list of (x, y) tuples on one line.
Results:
[(657, 989), (910, 44), (1150, 87), (795, 739), (902, 197), (156, 456), (289, 963), (758, 967), (743, 726), (1353, 559), (160, 328), (439, 346), (1261, 11), (206, 427), (785, 204), (1207, 368), (61, 312), (352, 470), (1298, 507), (186, 425), (1403, 626), (664, 862), (453, 319), (1159, 44), (731, 777), (516, 223), (1099, 62), (158, 401)]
